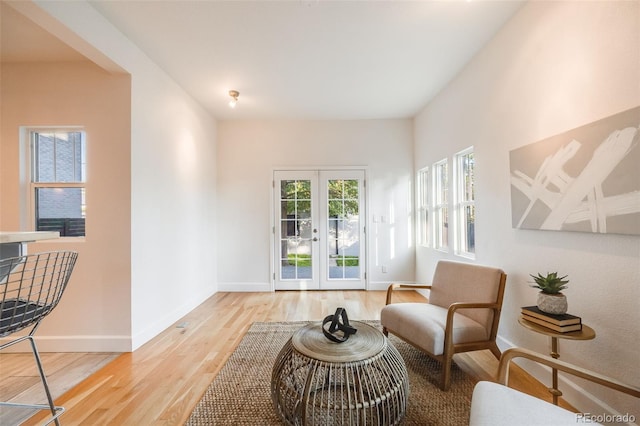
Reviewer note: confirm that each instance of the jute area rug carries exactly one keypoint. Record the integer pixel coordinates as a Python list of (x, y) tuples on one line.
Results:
[(241, 393)]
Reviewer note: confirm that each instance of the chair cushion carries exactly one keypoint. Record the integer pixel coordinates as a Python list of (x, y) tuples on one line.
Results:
[(423, 324), (493, 404), (464, 282), (16, 314)]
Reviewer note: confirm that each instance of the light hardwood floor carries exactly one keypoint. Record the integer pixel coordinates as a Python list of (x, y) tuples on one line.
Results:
[(160, 383)]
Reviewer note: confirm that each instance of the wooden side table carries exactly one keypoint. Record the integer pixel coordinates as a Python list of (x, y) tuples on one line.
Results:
[(587, 333)]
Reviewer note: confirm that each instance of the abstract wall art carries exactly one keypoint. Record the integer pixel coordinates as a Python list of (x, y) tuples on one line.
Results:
[(585, 180)]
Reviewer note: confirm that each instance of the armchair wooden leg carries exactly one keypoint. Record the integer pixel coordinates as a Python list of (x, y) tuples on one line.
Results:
[(446, 374), (495, 351)]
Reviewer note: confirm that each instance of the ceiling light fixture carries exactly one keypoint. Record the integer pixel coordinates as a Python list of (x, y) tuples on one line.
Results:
[(234, 98)]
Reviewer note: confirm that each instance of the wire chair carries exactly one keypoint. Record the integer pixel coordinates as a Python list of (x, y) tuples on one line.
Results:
[(30, 288)]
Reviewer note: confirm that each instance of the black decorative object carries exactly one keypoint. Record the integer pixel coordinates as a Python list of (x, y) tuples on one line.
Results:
[(335, 324)]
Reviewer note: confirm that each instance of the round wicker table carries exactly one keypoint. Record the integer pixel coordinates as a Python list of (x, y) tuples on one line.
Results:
[(362, 381)]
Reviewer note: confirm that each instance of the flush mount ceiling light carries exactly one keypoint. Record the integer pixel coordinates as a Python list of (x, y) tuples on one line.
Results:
[(234, 98)]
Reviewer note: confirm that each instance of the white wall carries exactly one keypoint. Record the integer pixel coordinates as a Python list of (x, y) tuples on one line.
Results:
[(173, 173), (554, 67), (249, 151), (173, 221)]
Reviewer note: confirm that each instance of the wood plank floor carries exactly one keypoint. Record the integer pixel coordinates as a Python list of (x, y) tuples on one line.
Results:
[(160, 383)]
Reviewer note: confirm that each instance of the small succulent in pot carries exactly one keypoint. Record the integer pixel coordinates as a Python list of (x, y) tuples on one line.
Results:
[(551, 284), (550, 299)]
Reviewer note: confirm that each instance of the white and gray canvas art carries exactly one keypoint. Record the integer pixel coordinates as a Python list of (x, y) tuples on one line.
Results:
[(585, 180)]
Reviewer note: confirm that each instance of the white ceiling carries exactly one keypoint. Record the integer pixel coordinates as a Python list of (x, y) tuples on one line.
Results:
[(311, 59)]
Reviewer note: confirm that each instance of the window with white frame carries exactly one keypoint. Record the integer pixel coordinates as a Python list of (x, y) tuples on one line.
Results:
[(58, 176), (423, 206), (464, 204), (440, 205)]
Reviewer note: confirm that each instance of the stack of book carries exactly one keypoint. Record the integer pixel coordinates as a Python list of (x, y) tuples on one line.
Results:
[(561, 323)]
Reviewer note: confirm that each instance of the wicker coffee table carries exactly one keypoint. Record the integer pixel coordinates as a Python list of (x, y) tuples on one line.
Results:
[(362, 381)]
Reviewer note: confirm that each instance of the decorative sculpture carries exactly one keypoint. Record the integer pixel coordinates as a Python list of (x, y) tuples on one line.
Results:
[(338, 322)]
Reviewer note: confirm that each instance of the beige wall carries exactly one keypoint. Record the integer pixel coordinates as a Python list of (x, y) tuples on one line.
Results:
[(97, 304), (554, 67)]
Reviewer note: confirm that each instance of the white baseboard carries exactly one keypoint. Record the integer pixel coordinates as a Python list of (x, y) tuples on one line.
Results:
[(266, 287), (110, 343), (168, 319), (232, 287), (379, 285), (72, 344), (504, 344), (384, 285)]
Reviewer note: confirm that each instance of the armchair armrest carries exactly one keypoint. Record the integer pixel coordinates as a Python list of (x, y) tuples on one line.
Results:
[(509, 354), (473, 305), (396, 286), (465, 305)]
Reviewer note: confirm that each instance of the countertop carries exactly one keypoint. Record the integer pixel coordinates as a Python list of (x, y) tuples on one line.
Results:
[(25, 237)]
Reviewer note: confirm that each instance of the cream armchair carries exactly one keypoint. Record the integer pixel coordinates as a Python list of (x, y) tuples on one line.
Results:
[(495, 404), (462, 314)]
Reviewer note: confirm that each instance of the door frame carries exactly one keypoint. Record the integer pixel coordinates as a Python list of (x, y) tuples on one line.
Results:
[(272, 219)]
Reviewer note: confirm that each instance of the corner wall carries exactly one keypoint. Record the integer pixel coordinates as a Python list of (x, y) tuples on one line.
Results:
[(251, 150), (554, 67), (172, 175)]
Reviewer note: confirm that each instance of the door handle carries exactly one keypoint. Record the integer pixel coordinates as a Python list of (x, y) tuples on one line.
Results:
[(315, 238)]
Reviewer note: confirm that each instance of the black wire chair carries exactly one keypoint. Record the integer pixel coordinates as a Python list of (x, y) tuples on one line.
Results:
[(30, 288)]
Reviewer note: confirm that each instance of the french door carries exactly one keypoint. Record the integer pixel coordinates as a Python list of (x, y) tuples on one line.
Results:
[(319, 230)]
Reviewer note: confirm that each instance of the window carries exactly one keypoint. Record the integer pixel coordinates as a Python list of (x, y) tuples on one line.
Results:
[(423, 207), (440, 207), (464, 204), (58, 172)]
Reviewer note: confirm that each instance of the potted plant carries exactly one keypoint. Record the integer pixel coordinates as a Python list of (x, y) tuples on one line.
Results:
[(550, 299)]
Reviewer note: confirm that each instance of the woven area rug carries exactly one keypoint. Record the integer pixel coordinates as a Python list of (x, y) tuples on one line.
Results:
[(241, 393)]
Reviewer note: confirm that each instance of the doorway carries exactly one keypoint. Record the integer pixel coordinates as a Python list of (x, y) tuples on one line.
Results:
[(319, 229)]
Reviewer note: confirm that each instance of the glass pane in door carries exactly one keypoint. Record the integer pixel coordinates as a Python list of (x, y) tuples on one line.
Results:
[(343, 229), (295, 230)]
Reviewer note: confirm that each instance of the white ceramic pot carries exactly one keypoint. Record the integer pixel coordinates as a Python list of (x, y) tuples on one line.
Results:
[(552, 303)]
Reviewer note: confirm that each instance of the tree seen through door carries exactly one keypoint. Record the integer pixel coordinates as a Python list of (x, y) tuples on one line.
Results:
[(296, 247), (343, 226)]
